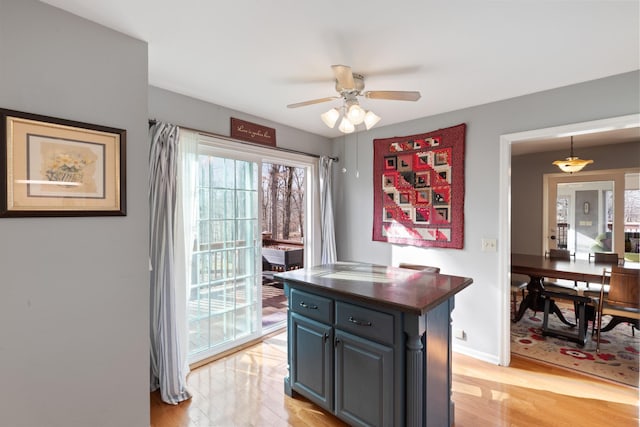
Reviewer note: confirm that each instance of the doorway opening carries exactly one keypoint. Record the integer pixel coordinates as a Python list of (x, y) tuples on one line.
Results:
[(283, 217), (505, 220)]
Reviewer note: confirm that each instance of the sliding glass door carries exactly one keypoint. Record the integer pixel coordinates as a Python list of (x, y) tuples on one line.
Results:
[(225, 304), (224, 299)]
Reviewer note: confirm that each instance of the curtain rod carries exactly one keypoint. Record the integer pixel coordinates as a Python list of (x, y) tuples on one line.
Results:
[(226, 138)]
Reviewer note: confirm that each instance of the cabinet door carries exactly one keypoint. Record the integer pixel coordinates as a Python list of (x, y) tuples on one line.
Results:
[(364, 381), (311, 353)]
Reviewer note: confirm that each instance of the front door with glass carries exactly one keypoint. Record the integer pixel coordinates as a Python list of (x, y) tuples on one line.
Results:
[(583, 212)]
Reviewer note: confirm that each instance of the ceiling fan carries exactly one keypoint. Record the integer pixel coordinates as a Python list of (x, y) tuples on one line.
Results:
[(350, 86)]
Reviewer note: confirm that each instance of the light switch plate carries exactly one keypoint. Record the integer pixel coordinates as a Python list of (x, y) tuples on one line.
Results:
[(489, 245)]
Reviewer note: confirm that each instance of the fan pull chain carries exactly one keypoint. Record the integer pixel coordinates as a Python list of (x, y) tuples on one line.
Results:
[(357, 168)]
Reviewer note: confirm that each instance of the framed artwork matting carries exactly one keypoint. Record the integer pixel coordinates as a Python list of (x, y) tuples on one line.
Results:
[(58, 167)]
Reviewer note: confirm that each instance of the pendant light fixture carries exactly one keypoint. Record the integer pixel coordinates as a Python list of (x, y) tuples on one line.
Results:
[(572, 163)]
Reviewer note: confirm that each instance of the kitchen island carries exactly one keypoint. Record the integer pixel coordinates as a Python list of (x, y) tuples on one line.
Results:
[(372, 344)]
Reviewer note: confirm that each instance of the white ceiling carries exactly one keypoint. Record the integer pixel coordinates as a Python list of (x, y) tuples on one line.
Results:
[(258, 56)]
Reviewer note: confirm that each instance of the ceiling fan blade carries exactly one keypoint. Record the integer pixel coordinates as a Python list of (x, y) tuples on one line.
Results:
[(397, 95), (311, 102), (344, 76)]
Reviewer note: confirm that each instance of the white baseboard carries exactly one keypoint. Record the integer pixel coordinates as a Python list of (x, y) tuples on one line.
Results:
[(485, 357)]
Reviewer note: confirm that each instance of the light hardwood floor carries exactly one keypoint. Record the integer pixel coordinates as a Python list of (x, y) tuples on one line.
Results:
[(246, 389)]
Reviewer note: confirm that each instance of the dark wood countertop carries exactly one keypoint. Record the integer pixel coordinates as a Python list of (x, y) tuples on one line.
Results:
[(406, 290)]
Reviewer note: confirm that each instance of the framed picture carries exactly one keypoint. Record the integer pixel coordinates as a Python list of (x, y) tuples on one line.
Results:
[(57, 167)]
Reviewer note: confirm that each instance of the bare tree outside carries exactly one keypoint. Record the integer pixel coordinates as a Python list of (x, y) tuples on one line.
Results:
[(286, 202), (298, 198), (283, 201), (632, 208), (274, 175)]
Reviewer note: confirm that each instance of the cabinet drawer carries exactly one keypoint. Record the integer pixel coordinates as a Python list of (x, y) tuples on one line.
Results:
[(364, 322), (312, 306)]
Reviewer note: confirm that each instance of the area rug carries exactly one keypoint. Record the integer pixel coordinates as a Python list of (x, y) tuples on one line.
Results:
[(619, 350)]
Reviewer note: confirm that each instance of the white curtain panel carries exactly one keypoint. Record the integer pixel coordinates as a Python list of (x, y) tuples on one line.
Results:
[(328, 242), (167, 288), (187, 204)]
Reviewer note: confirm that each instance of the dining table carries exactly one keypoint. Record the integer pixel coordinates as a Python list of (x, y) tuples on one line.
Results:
[(538, 267)]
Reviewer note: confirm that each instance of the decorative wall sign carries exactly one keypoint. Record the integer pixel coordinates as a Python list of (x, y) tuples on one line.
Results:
[(251, 132), (56, 167), (418, 189)]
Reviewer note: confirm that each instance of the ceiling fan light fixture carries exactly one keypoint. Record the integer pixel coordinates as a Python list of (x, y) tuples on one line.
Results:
[(370, 119), (350, 86), (346, 126), (572, 163), (330, 117), (355, 113)]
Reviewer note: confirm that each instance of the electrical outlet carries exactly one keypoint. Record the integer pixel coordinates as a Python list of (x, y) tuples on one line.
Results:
[(460, 334), (489, 245)]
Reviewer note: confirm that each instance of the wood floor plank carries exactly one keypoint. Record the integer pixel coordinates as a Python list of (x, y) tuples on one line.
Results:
[(246, 389)]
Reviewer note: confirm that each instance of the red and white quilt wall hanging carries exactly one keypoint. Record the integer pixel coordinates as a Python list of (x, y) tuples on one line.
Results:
[(418, 189)]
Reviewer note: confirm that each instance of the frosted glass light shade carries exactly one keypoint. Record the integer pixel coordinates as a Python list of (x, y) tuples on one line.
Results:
[(370, 119), (353, 115), (330, 117), (356, 114), (572, 164), (346, 126)]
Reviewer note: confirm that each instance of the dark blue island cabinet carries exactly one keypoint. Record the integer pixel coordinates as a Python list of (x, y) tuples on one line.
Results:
[(372, 344)]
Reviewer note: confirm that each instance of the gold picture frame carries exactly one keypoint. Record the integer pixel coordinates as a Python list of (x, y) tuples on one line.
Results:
[(58, 167)]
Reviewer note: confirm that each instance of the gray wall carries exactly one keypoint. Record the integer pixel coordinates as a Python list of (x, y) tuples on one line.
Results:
[(478, 308), (203, 116), (74, 292), (527, 187)]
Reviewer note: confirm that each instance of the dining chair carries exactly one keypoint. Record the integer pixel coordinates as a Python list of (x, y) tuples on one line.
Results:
[(562, 286), (563, 254), (519, 284), (604, 258), (552, 283), (427, 268), (622, 302), (593, 289)]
